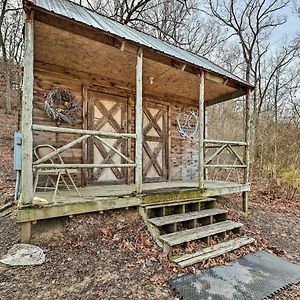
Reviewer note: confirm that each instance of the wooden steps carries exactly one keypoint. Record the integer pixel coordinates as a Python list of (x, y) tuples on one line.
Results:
[(178, 207), (194, 215), (177, 223), (213, 251), (189, 235), (175, 203)]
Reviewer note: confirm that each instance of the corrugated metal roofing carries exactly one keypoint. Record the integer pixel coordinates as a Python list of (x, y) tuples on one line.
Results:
[(80, 14)]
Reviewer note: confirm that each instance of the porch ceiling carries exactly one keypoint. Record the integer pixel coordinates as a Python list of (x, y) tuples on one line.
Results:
[(60, 47)]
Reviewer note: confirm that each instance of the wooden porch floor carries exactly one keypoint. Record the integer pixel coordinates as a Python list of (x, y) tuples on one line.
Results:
[(99, 198)]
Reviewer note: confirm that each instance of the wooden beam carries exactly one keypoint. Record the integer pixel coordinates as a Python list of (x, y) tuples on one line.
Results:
[(179, 65), (215, 78), (247, 150), (83, 131), (216, 154), (78, 166), (230, 149), (61, 149), (87, 78), (205, 137), (227, 97), (139, 123), (225, 166), (212, 251), (234, 143), (201, 130), (75, 207), (123, 44), (25, 234), (114, 149), (120, 44), (27, 107), (84, 173)]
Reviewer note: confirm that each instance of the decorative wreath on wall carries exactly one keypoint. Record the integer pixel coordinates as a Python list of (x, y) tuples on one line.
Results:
[(61, 106), (187, 123)]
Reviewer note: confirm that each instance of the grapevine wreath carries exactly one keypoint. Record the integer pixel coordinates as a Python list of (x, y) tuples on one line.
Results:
[(60, 105)]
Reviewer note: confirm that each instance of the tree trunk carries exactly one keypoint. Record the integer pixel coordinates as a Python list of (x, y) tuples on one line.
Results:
[(8, 108)]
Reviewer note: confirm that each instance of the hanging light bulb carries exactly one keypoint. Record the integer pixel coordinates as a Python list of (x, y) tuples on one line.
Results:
[(151, 78)]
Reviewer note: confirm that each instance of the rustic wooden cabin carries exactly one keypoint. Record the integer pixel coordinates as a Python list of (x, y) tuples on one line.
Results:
[(119, 128)]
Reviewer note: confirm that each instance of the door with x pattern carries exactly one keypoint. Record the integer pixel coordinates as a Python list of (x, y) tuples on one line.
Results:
[(155, 142), (107, 113)]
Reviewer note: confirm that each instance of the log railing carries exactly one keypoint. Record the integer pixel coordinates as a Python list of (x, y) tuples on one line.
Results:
[(99, 135), (220, 147)]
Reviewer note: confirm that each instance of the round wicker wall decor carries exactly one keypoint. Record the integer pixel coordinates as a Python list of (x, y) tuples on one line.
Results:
[(61, 106)]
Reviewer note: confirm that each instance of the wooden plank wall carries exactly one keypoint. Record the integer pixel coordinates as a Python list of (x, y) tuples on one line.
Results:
[(183, 159), (43, 83), (183, 152)]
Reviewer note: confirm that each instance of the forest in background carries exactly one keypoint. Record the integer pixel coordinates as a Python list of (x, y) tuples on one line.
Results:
[(243, 36)]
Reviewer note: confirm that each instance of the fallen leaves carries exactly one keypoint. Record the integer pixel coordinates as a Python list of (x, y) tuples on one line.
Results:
[(9, 124), (123, 236), (127, 246)]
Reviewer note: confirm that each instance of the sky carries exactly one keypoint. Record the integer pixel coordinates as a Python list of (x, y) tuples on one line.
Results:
[(290, 28)]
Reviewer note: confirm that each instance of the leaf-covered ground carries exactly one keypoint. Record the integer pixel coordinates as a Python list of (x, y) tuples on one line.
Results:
[(8, 125), (111, 255)]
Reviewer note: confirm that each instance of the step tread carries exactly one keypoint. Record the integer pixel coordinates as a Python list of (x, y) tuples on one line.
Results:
[(188, 235), (213, 251), (177, 202), (170, 219)]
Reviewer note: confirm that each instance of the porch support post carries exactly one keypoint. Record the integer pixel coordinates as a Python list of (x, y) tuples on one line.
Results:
[(201, 131), (139, 123), (205, 138), (26, 124), (247, 150)]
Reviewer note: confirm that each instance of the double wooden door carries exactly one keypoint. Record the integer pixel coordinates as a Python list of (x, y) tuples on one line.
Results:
[(110, 113)]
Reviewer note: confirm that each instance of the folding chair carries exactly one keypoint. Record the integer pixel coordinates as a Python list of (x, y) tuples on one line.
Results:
[(41, 151)]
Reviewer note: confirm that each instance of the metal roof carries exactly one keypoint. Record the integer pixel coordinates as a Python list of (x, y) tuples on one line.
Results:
[(81, 14)]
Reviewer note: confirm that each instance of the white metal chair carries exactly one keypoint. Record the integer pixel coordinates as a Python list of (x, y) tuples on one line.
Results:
[(41, 151)]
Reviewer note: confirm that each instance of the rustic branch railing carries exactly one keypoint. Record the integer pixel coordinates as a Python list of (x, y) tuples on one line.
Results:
[(83, 131), (99, 135), (222, 146), (75, 166), (60, 150), (236, 143)]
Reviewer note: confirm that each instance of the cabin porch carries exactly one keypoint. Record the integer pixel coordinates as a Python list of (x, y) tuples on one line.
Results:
[(100, 198), (141, 131)]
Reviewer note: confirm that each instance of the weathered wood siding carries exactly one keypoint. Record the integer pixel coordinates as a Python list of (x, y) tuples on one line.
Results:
[(182, 152), (43, 83)]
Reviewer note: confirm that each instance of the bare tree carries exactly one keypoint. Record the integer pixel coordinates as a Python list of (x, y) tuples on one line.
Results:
[(251, 23), (129, 11), (297, 7), (271, 77), (178, 22), (10, 43)]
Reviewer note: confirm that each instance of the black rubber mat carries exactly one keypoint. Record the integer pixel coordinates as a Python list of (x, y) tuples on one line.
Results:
[(254, 276)]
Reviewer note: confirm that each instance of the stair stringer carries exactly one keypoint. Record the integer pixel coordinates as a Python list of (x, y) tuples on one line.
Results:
[(153, 230)]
